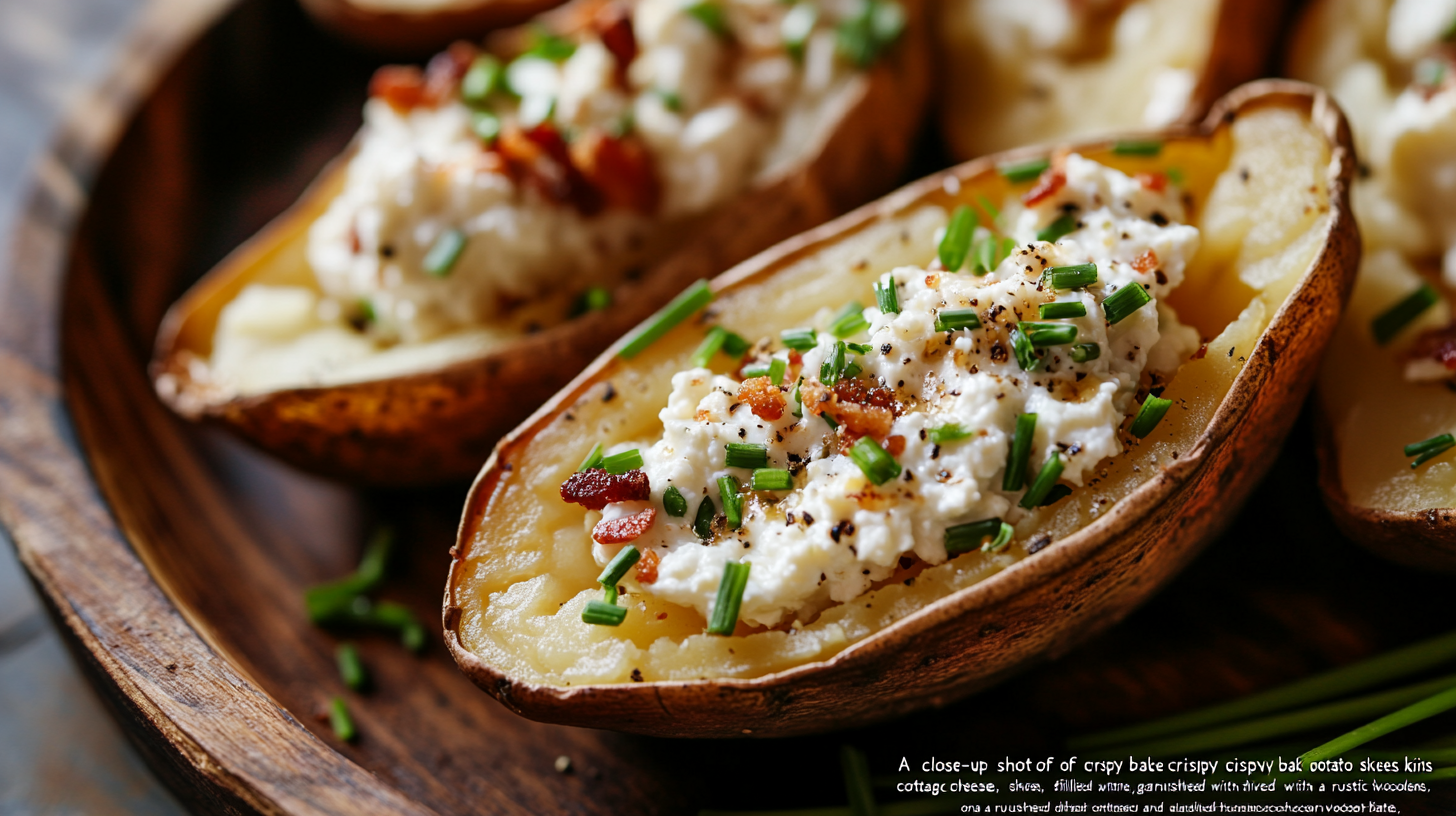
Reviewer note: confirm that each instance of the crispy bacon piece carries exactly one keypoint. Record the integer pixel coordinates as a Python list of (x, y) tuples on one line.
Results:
[(1146, 262), (402, 86), (1157, 182), (445, 70), (596, 488), (765, 398), (1052, 180), (539, 158), (895, 445), (620, 170), (859, 411), (647, 567), (613, 23), (861, 392), (1436, 344), (624, 529)]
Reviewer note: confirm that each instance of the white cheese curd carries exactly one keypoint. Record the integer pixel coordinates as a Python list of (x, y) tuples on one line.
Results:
[(835, 534)]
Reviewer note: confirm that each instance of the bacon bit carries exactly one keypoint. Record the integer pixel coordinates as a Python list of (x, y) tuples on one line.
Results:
[(1146, 262), (445, 70), (596, 488), (1436, 344), (703, 415), (1202, 351), (858, 391), (765, 398), (539, 158), (647, 567), (619, 169), (1157, 182), (613, 24), (1052, 180), (401, 86), (627, 528), (354, 245), (855, 419), (895, 445)]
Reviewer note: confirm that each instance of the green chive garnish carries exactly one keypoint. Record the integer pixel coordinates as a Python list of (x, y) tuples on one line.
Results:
[(670, 99), (1065, 224), (989, 253), (753, 370), (711, 15), (799, 339), (592, 460), (681, 308), (549, 46), (956, 244), (1056, 494), (1017, 172), (481, 79), (340, 721), (858, 785), (593, 299), (1043, 335), (617, 568), (1174, 175), (1149, 415), (674, 502), (850, 321), (777, 368), (829, 420), (879, 467), (1020, 449), (485, 125), (887, 298), (1024, 351), (601, 613), (747, 455), (1045, 479), (1071, 277), (1124, 302), (798, 409), (619, 463), (609, 594), (735, 346), (711, 345), (1083, 352), (950, 432), (1003, 537), (703, 521), (732, 501), (730, 598), (1429, 449), (859, 348), (1062, 309), (1392, 320), (332, 599), (1430, 72), (861, 38), (953, 319), (360, 611), (1137, 147), (444, 253), (988, 208), (795, 28), (834, 365), (966, 537), (1414, 713), (351, 668), (772, 479)]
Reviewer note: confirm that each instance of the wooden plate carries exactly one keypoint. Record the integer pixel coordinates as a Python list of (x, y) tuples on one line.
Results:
[(173, 558)]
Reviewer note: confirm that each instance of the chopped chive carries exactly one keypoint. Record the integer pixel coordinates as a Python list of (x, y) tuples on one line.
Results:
[(1043, 335), (1124, 302), (592, 460), (1430, 72), (859, 348), (330, 600), (1439, 442), (351, 668), (948, 433), (711, 345), (1017, 172), (732, 501), (1057, 493), (829, 420), (858, 786), (711, 15), (887, 298), (833, 367), (772, 479), (481, 79), (485, 125), (703, 521), (412, 637), (1411, 714), (956, 244), (852, 370), (1045, 479), (988, 208), (989, 253), (1024, 351), (777, 368), (674, 502), (753, 370), (799, 339), (1020, 450), (966, 537), (862, 37), (444, 253), (601, 613), (735, 346), (1083, 352), (1392, 320), (795, 28), (1003, 537), (879, 467), (360, 611), (1137, 147), (683, 306), (548, 45), (798, 409), (593, 299), (670, 99), (1065, 224), (340, 721), (1174, 175), (617, 568), (747, 455), (953, 319), (609, 594), (366, 311), (1149, 415), (1071, 277), (850, 320), (730, 598), (1062, 309), (619, 463)]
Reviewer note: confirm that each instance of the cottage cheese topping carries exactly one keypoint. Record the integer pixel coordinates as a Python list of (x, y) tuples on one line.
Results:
[(836, 533)]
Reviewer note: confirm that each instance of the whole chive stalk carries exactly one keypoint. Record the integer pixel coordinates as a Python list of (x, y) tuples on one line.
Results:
[(1149, 415), (877, 465), (795, 28), (799, 339), (956, 244), (1389, 322), (1438, 703), (1085, 352), (772, 479), (674, 503), (592, 460), (1428, 449), (953, 319), (887, 298), (619, 463), (1015, 475), (1023, 349), (1062, 309), (1071, 277), (1065, 224), (340, 721), (746, 455), (857, 783), (444, 253), (1045, 479), (1017, 172), (1137, 147), (351, 668), (966, 537), (1122, 303), (703, 520), (333, 598), (601, 613), (950, 432), (732, 501), (1044, 335), (850, 321), (1003, 538), (711, 345), (681, 308), (730, 598), (616, 569), (777, 368)]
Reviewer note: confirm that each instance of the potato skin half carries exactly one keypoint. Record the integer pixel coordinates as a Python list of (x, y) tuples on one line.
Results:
[(439, 425), (1034, 610)]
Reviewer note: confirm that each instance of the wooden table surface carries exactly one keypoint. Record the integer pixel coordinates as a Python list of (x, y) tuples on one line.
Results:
[(60, 751)]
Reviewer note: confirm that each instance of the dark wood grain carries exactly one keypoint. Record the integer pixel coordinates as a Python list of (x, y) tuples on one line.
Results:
[(173, 557)]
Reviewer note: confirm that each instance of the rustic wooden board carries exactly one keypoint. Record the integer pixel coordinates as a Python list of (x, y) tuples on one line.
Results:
[(174, 558)]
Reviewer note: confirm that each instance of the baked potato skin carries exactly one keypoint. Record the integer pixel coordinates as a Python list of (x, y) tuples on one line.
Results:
[(1035, 609), (439, 425), (403, 31)]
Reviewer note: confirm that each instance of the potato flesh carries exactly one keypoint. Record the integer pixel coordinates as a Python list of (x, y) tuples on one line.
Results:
[(529, 566)]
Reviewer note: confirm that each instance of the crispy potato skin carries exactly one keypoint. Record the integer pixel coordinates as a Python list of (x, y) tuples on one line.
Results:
[(406, 32), (1038, 608), (439, 425)]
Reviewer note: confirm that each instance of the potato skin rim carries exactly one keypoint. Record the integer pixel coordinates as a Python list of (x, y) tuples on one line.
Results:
[(1252, 419)]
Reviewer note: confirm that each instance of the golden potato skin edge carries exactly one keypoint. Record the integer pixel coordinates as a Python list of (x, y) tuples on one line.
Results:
[(1038, 608), (439, 425), (404, 33)]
